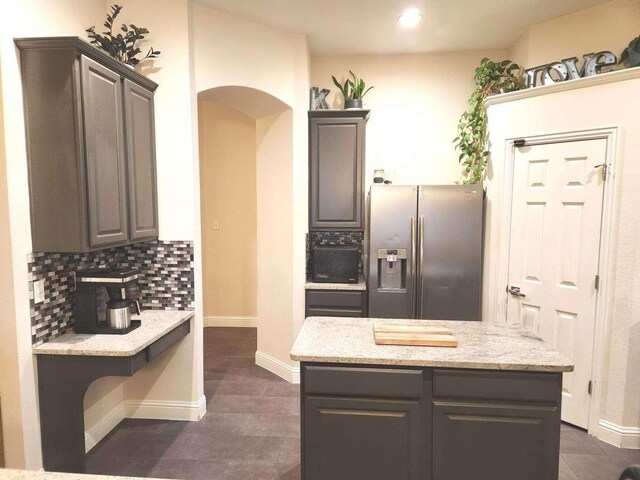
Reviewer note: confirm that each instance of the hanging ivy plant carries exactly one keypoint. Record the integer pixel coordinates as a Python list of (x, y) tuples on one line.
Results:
[(472, 141)]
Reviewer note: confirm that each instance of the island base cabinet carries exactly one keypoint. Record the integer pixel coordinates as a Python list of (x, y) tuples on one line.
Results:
[(495, 442), (351, 439)]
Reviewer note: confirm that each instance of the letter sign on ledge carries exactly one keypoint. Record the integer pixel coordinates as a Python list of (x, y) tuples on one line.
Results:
[(567, 69)]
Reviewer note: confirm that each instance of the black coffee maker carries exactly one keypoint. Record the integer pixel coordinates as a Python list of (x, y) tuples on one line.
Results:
[(102, 305)]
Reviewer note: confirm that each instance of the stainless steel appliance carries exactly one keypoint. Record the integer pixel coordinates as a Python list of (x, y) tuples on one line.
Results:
[(425, 251), (335, 264), (101, 299)]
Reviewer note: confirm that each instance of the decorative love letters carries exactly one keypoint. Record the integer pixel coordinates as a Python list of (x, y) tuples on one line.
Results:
[(567, 69)]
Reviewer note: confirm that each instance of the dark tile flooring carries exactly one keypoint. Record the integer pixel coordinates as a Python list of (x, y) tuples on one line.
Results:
[(252, 429)]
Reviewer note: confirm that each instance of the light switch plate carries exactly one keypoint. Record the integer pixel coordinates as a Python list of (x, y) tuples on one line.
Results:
[(38, 291), (215, 224)]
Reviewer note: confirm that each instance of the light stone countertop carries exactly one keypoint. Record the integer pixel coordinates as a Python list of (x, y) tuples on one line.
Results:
[(6, 474), (155, 324), (482, 345), (361, 286)]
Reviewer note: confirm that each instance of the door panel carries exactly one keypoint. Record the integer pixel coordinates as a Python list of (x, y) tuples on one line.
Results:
[(141, 161), (495, 442), (554, 251), (392, 225), (450, 242), (106, 177), (362, 439)]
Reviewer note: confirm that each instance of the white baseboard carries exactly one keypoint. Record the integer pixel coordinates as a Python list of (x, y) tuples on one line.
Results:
[(218, 321), (102, 427), (166, 409), (623, 437), (289, 373)]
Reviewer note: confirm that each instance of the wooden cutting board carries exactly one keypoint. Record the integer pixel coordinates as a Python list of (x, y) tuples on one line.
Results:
[(413, 334)]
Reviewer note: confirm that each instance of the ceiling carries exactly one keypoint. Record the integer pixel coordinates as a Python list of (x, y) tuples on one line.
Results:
[(365, 27)]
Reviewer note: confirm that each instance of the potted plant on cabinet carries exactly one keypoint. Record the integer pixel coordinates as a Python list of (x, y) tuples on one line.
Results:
[(121, 46), (490, 78), (631, 53), (353, 90)]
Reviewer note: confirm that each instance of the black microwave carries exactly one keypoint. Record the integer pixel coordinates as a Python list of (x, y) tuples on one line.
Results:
[(335, 264)]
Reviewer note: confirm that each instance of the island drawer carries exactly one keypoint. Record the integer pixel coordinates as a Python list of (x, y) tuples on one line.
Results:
[(159, 346), (369, 382), (497, 385)]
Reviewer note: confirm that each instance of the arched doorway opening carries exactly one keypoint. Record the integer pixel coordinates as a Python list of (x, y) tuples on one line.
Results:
[(246, 194)]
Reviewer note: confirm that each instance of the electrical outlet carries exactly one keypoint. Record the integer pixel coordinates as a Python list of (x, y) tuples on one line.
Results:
[(38, 291), (215, 224)]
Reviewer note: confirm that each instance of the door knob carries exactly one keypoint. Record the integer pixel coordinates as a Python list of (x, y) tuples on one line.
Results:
[(515, 291)]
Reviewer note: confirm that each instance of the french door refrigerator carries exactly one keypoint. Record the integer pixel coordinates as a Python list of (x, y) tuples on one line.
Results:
[(425, 251)]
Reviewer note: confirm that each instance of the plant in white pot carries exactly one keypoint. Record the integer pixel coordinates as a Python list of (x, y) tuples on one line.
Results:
[(353, 90), (121, 46)]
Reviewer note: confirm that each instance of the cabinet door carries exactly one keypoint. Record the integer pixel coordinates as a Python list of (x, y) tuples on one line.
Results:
[(336, 161), (141, 162), (105, 155), (361, 439), (495, 442)]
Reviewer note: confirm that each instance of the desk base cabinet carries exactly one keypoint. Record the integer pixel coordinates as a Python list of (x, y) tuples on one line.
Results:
[(376, 423)]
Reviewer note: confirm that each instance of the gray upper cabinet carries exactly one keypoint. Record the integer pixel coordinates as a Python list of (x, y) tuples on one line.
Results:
[(90, 147), (336, 169), (105, 161), (141, 161)]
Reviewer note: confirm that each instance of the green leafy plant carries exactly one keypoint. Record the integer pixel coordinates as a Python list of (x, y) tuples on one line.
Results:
[(472, 141), (354, 88), (631, 54), (121, 46)]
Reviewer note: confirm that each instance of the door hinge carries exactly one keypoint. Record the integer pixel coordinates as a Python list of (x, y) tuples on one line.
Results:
[(590, 387), (520, 142), (597, 282)]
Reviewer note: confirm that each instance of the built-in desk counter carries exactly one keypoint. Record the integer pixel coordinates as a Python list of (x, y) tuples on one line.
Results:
[(69, 364)]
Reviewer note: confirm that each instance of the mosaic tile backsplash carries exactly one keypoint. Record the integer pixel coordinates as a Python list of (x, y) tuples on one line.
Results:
[(166, 281), (335, 239)]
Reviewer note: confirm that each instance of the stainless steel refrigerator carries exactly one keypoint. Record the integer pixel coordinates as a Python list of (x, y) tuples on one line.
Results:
[(425, 251)]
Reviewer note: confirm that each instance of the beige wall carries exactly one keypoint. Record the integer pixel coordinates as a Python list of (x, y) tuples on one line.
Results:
[(228, 195), (415, 107), (9, 368), (608, 26), (591, 109), (27, 18), (227, 51)]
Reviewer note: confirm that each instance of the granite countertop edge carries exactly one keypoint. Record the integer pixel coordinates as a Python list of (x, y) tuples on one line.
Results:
[(12, 474), (432, 363), (361, 286), (67, 344)]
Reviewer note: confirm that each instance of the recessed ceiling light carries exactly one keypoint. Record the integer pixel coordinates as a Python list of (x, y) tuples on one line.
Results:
[(410, 18)]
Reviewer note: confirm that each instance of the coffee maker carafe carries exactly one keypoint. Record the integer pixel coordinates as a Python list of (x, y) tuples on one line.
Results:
[(102, 305)]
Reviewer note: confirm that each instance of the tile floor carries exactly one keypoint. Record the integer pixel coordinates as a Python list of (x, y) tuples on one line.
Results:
[(252, 429)]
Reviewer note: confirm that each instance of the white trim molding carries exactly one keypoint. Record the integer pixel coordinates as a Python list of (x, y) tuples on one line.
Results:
[(601, 79), (222, 321), (278, 367), (623, 437), (102, 427), (166, 409)]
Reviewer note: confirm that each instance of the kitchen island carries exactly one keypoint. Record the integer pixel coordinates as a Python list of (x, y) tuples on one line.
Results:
[(486, 410)]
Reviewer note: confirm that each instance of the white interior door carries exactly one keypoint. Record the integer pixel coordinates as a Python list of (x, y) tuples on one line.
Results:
[(554, 250)]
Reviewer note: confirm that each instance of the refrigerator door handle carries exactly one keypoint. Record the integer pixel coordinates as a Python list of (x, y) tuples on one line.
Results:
[(413, 263), (419, 277)]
